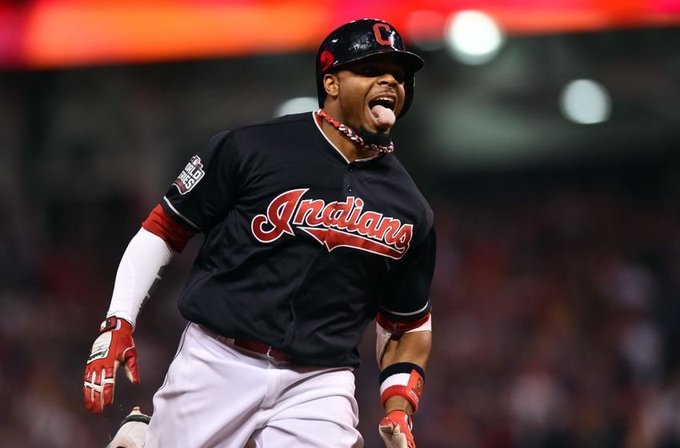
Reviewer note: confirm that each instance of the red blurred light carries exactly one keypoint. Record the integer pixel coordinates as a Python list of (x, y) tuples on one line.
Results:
[(60, 33)]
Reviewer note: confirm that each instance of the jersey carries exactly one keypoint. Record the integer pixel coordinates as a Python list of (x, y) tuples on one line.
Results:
[(302, 248)]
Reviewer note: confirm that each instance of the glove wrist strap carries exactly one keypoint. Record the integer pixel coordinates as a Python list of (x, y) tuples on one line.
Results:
[(114, 323)]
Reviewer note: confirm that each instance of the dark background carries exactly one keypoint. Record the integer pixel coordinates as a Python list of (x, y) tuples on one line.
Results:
[(557, 290)]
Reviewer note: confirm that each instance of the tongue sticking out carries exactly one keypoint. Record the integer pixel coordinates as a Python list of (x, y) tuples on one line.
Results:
[(383, 116)]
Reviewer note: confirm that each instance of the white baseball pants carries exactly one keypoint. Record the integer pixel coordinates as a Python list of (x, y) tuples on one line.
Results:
[(216, 395)]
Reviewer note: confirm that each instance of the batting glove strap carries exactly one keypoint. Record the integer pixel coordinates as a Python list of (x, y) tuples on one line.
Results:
[(395, 430), (113, 346), (402, 379), (111, 323)]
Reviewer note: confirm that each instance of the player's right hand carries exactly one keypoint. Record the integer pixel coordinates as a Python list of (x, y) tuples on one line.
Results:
[(113, 346), (395, 430)]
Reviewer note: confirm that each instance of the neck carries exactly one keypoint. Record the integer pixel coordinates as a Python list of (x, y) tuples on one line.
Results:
[(348, 148), (348, 141)]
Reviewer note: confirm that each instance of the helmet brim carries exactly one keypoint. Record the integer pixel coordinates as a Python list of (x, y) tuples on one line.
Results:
[(407, 60)]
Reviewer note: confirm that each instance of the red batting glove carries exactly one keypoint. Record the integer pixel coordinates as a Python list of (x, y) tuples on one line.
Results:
[(113, 346), (395, 430)]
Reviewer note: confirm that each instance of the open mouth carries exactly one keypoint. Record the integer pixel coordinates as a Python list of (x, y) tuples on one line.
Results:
[(383, 101), (382, 110)]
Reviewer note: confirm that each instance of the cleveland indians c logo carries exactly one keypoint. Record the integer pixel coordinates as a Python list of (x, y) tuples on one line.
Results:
[(336, 224), (378, 29)]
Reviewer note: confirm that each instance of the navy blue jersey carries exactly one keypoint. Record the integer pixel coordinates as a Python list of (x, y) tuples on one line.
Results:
[(302, 248)]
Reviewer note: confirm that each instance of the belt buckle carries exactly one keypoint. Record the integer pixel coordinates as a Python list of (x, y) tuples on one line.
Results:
[(268, 353)]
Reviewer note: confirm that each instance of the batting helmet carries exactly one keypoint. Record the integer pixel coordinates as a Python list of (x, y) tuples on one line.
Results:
[(363, 39)]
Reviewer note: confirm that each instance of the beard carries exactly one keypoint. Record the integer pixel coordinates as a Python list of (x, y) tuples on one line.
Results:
[(374, 138)]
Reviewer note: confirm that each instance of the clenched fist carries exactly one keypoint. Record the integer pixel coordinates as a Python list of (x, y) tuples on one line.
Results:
[(113, 346)]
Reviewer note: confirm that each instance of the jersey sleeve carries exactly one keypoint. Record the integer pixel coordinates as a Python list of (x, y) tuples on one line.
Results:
[(205, 189), (406, 301)]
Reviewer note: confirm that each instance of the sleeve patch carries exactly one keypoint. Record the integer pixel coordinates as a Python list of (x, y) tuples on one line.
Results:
[(190, 176)]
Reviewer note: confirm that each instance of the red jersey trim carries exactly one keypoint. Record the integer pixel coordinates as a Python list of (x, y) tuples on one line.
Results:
[(395, 327), (161, 224)]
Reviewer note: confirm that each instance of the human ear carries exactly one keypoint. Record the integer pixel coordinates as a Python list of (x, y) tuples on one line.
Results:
[(331, 84)]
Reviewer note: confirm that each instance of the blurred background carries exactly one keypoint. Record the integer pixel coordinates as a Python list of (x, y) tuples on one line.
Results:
[(544, 133)]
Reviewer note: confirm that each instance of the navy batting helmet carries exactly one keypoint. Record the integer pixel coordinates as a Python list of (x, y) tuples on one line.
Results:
[(362, 39)]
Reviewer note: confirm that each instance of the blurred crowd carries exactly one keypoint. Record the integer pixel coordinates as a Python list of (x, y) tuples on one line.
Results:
[(556, 311), (557, 316)]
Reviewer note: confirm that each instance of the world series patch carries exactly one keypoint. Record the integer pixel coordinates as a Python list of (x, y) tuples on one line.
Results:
[(190, 175)]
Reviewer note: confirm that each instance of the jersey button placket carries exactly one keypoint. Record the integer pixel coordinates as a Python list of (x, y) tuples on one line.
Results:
[(350, 169)]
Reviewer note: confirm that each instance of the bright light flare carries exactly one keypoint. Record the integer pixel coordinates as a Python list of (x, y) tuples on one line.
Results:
[(585, 101), (474, 37)]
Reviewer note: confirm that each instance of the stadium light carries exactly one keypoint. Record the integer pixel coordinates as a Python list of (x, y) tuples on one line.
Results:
[(473, 37), (585, 101)]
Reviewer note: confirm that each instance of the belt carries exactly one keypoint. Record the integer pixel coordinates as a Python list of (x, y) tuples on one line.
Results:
[(252, 346), (263, 349)]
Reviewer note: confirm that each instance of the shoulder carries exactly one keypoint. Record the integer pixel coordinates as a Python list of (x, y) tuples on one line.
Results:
[(264, 146), (287, 123), (264, 135), (294, 122)]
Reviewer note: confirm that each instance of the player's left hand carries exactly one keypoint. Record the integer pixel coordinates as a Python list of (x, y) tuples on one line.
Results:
[(395, 430), (113, 346)]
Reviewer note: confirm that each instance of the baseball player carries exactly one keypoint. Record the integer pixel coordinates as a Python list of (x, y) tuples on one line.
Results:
[(312, 229)]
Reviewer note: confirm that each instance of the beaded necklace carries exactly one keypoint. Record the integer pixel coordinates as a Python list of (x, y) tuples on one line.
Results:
[(353, 136)]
